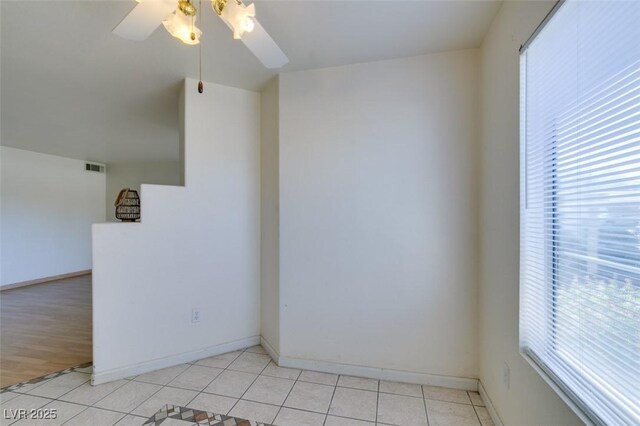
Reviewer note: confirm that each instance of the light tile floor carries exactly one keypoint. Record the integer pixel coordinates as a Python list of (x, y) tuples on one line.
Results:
[(246, 384)]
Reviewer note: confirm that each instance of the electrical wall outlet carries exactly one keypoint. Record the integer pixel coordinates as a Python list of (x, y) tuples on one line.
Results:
[(506, 375), (195, 315)]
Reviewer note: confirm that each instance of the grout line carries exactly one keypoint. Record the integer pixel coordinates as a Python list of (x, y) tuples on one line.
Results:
[(117, 421), (411, 396), (353, 418), (287, 397), (90, 406), (377, 400), (474, 404), (37, 385), (154, 393), (51, 400), (198, 392), (330, 401), (183, 389), (450, 402), (476, 413), (424, 400), (71, 390), (223, 370), (249, 387), (191, 400), (366, 390), (170, 387), (295, 381)]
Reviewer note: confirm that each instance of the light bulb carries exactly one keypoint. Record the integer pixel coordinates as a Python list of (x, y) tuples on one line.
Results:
[(182, 28), (247, 24), (241, 18)]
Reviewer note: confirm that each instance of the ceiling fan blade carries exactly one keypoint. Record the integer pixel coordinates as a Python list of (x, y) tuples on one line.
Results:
[(144, 19), (266, 50)]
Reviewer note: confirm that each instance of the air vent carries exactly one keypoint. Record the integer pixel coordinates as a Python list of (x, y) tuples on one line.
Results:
[(94, 167)]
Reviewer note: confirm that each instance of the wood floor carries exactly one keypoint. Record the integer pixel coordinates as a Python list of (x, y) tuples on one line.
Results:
[(44, 328)]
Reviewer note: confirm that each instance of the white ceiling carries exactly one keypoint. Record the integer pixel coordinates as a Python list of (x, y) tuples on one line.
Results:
[(71, 88)]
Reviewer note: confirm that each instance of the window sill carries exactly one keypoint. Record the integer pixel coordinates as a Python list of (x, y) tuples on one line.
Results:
[(559, 391)]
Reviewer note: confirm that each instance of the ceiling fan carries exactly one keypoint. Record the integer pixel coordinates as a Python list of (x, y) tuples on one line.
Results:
[(179, 19)]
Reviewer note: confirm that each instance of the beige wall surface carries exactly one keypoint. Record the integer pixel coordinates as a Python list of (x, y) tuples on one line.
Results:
[(529, 400)]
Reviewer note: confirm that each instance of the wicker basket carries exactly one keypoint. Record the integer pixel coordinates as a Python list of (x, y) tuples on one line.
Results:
[(128, 205)]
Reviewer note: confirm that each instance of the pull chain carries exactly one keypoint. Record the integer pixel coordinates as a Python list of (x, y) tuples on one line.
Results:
[(193, 18), (200, 84)]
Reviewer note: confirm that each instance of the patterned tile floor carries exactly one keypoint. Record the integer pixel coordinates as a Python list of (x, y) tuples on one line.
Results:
[(239, 385)]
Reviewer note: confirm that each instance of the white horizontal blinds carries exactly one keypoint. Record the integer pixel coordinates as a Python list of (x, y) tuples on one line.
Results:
[(580, 206)]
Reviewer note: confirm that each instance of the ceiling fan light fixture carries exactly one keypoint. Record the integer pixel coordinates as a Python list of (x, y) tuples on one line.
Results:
[(247, 24), (218, 6), (187, 7), (183, 28), (240, 18), (179, 16)]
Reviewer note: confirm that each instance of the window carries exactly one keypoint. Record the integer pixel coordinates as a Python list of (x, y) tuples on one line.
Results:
[(580, 207)]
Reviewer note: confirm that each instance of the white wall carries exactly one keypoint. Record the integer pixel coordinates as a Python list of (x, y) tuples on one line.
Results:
[(197, 247), (529, 401), (378, 262), (48, 206), (132, 175), (270, 226)]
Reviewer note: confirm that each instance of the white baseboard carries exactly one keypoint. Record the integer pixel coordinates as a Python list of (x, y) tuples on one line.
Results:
[(99, 377), (379, 373), (45, 279), (275, 356), (490, 408)]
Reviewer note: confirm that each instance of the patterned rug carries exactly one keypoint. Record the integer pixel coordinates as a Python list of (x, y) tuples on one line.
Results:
[(192, 416)]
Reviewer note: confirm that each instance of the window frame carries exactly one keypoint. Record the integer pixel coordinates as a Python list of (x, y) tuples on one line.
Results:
[(551, 256)]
